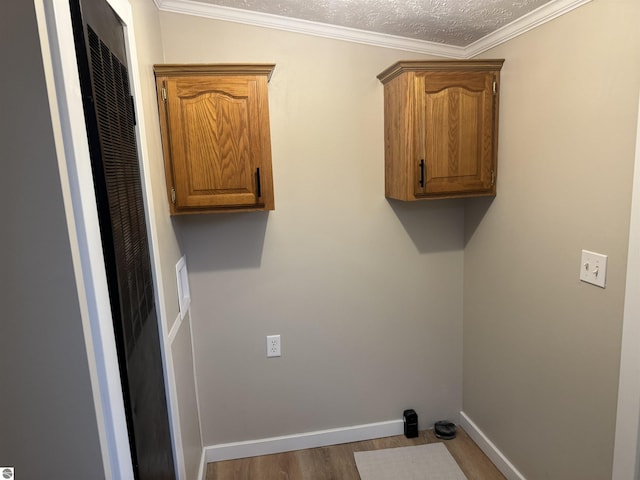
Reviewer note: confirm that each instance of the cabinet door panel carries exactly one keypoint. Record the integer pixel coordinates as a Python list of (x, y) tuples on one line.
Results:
[(212, 143), (456, 116), (452, 144), (210, 136)]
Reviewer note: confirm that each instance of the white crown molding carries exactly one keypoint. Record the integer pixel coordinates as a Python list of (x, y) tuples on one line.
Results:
[(533, 19), (519, 26), (190, 7)]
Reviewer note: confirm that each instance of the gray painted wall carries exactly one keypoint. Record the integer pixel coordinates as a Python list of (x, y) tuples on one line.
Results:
[(331, 272), (365, 292), (47, 418), (149, 51), (542, 349)]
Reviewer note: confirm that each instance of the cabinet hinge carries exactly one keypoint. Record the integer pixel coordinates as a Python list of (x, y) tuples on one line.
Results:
[(493, 177), (495, 87), (164, 93), (173, 195)]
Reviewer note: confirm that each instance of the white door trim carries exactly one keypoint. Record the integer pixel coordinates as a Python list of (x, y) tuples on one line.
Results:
[(625, 455), (60, 64)]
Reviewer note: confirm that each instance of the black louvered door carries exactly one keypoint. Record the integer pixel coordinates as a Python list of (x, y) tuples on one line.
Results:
[(110, 119)]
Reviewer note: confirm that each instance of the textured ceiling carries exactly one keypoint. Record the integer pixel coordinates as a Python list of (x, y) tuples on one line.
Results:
[(451, 22)]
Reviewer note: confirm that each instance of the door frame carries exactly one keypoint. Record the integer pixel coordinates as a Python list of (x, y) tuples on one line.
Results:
[(626, 455), (65, 102)]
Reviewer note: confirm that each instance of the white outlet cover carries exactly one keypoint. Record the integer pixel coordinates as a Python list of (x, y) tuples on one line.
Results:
[(184, 296), (273, 346), (593, 268)]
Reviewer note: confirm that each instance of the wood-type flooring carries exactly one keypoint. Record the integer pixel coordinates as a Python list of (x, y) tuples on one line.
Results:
[(336, 462)]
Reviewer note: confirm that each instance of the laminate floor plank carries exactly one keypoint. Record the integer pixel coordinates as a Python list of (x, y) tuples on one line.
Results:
[(319, 463), (472, 461), (336, 462)]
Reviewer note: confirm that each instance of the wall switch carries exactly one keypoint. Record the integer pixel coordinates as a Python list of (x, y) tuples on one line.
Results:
[(593, 268), (273, 345)]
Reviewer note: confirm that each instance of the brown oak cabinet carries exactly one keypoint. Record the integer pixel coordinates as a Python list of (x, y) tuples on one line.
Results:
[(214, 120), (441, 128)]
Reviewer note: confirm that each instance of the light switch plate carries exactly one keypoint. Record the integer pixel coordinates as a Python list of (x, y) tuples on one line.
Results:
[(593, 268)]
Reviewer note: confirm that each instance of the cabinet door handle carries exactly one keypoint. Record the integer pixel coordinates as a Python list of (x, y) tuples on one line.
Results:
[(259, 188), (422, 173)]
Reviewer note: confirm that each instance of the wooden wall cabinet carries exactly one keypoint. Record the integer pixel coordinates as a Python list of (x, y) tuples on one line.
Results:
[(441, 128), (214, 121)]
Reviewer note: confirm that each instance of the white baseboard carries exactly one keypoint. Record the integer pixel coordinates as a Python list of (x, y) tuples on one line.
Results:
[(266, 446), (490, 450)]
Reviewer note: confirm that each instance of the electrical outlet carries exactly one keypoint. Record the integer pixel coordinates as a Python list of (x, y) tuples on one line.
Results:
[(273, 345)]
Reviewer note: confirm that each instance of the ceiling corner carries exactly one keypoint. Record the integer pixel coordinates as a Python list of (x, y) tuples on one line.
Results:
[(533, 19)]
